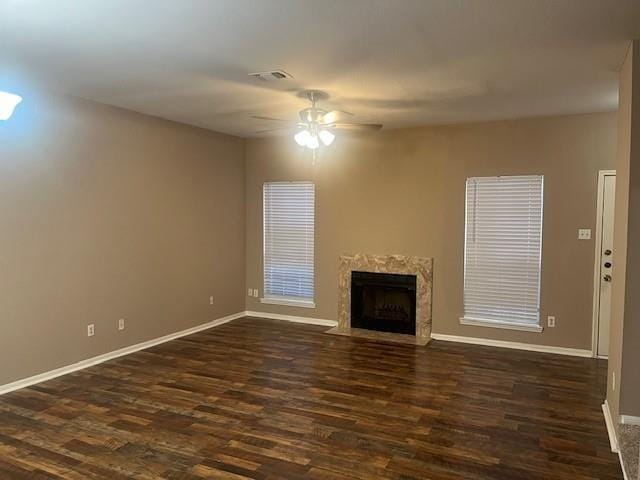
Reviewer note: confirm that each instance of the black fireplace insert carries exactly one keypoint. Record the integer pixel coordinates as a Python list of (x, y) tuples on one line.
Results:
[(385, 302)]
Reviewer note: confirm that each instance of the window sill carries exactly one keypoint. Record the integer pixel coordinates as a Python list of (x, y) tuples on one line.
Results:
[(289, 302), (507, 326)]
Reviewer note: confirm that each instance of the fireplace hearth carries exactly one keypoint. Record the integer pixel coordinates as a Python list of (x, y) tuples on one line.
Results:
[(385, 302)]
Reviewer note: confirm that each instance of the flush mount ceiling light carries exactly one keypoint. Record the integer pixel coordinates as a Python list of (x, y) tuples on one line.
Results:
[(317, 127), (8, 103)]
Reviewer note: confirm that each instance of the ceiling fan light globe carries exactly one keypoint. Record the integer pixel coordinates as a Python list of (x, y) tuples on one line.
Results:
[(326, 137), (312, 142), (302, 137), (8, 102)]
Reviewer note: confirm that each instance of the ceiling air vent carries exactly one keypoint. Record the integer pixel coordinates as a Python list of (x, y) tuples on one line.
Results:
[(271, 76)]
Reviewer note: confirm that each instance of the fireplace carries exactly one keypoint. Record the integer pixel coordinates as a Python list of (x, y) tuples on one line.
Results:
[(385, 302), (410, 277)]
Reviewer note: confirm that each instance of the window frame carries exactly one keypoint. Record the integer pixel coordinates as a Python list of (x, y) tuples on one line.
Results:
[(497, 323), (291, 301)]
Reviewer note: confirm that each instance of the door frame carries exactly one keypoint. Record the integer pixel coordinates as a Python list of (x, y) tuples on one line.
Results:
[(596, 267)]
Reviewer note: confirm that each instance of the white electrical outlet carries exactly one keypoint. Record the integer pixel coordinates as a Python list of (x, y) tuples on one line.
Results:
[(255, 292), (551, 321), (121, 324), (250, 292), (91, 330), (211, 300), (584, 234)]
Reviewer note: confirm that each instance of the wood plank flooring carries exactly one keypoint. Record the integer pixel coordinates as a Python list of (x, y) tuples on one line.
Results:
[(264, 399)]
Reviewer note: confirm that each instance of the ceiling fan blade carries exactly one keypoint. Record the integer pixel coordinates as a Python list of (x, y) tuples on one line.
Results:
[(335, 116), (271, 119), (357, 127), (275, 130)]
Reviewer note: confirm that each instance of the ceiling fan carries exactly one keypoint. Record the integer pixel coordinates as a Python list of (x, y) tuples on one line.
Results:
[(316, 126)]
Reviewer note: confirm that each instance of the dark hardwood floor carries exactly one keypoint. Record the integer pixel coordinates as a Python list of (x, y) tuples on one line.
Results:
[(265, 399)]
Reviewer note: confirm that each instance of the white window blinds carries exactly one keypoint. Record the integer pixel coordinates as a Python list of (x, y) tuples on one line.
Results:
[(503, 248), (289, 240)]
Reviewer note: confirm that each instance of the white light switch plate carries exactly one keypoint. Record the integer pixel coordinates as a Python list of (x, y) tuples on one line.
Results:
[(584, 234)]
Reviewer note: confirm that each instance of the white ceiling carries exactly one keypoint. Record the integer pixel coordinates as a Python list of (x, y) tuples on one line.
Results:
[(397, 62)]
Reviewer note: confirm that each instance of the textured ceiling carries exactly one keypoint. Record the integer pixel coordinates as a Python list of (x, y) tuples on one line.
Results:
[(396, 62)]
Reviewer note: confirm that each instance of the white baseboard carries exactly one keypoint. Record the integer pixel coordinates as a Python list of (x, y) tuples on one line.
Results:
[(293, 318), (613, 438), (26, 382), (624, 472), (611, 430), (630, 420), (42, 377), (514, 345)]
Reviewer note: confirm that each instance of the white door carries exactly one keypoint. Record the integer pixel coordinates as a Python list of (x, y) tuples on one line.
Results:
[(608, 195)]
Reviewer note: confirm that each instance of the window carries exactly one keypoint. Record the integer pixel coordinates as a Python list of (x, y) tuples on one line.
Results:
[(289, 243), (503, 245)]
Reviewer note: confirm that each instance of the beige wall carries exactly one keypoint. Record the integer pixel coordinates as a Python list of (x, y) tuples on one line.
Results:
[(402, 192), (630, 391), (624, 357), (105, 214), (620, 236), (108, 214)]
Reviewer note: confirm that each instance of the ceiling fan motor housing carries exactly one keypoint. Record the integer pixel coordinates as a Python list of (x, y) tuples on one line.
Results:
[(312, 115)]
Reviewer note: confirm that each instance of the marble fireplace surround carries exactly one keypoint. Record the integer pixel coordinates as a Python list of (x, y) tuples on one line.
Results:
[(421, 267)]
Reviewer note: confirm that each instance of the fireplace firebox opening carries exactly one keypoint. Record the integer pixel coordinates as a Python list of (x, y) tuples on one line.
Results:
[(385, 302)]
